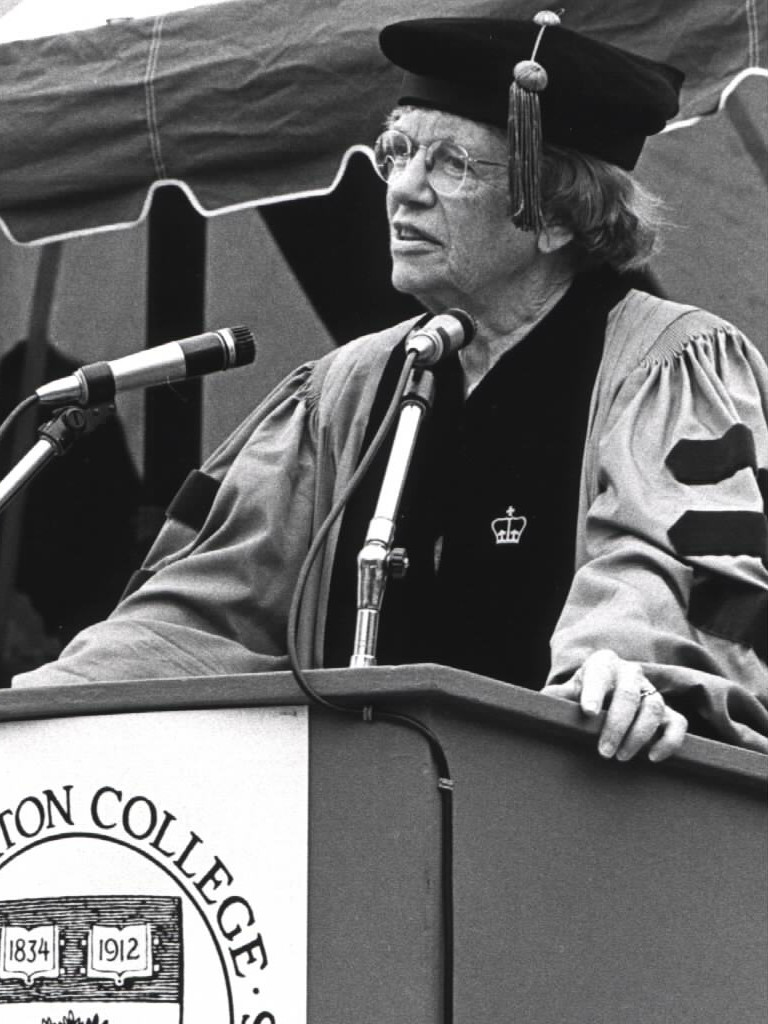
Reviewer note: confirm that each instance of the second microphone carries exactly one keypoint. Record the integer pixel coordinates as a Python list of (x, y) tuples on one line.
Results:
[(98, 383)]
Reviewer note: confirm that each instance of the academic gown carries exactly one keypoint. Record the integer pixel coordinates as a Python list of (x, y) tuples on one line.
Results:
[(671, 542)]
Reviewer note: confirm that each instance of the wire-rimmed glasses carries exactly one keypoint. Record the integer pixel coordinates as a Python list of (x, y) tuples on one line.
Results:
[(447, 163)]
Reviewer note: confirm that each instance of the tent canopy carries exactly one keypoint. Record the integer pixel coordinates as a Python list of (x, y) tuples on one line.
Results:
[(249, 102)]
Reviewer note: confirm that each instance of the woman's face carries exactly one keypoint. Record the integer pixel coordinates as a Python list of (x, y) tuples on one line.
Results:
[(458, 250)]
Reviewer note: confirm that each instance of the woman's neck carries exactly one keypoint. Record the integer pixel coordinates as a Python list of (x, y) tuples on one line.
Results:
[(502, 328)]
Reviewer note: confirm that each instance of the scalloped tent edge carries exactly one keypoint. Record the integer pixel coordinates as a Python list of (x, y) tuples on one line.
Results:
[(240, 112)]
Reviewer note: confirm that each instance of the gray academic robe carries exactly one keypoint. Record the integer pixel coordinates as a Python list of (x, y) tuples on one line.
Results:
[(684, 596)]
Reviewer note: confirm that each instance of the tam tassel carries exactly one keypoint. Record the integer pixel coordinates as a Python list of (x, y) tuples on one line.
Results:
[(524, 141), (524, 134)]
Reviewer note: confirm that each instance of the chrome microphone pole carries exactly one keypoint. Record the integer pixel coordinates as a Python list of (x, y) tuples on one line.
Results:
[(378, 559), (429, 342)]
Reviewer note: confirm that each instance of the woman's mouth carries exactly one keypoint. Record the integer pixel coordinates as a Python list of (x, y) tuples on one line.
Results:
[(409, 234)]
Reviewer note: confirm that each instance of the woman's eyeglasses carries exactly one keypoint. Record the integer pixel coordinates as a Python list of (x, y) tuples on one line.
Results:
[(447, 163)]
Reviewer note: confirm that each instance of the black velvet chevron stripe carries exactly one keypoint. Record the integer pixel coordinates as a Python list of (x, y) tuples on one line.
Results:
[(721, 533), (193, 500), (731, 609), (708, 462)]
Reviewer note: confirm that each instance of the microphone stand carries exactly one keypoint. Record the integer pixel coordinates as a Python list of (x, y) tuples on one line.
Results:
[(377, 559), (55, 438)]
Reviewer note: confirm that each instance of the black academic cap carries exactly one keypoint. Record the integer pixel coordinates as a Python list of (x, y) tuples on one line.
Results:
[(598, 99)]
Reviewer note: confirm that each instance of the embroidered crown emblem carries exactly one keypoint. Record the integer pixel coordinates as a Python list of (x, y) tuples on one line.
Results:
[(509, 529)]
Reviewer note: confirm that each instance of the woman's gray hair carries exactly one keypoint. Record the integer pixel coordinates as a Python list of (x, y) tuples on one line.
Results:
[(613, 218)]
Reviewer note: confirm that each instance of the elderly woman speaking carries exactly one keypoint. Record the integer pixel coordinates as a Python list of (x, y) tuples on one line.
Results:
[(583, 509)]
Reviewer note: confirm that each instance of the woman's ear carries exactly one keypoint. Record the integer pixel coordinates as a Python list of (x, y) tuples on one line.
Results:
[(553, 237)]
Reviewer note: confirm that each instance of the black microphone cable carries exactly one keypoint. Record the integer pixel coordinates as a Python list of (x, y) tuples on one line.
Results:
[(367, 712), (18, 411)]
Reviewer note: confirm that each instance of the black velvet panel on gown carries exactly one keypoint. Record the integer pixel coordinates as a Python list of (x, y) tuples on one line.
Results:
[(488, 516)]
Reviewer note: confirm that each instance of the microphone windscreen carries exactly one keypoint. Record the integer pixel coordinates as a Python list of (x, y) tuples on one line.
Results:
[(245, 345)]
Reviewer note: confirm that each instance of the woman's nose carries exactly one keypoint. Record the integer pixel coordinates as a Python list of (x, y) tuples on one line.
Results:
[(410, 183)]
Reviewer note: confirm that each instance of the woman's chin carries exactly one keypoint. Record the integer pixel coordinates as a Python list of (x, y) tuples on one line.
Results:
[(422, 286)]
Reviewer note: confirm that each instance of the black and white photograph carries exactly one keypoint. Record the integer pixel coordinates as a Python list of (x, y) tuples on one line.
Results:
[(383, 512)]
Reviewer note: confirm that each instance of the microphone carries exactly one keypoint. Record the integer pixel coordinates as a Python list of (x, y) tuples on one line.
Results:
[(97, 383), (441, 336)]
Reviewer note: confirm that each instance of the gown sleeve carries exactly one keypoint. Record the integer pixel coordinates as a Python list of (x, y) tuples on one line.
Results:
[(675, 573), (213, 595)]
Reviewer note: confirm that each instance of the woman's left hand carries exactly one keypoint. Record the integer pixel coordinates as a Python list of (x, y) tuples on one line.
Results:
[(637, 716)]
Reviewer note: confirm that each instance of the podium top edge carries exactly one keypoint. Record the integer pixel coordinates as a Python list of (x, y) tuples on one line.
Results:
[(400, 686)]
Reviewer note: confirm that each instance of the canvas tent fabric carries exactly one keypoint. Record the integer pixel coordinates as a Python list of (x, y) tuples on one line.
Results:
[(249, 102), (714, 178)]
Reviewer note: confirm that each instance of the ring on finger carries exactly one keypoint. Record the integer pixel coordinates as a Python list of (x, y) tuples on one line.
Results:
[(646, 690)]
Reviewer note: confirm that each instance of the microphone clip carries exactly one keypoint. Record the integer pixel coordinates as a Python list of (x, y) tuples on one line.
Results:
[(72, 422), (55, 437)]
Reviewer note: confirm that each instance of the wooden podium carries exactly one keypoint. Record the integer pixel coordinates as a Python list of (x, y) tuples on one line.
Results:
[(586, 892)]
